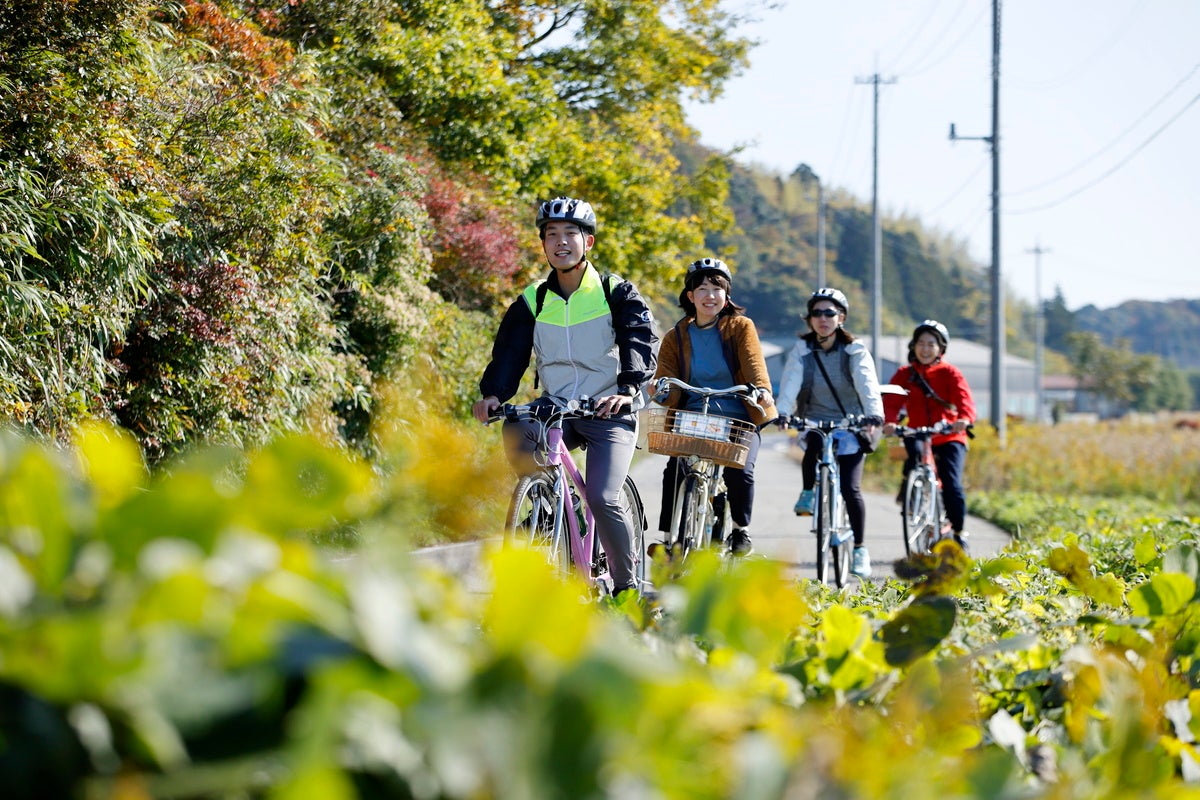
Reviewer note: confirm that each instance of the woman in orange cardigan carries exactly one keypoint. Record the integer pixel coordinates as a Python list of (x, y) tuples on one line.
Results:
[(716, 346)]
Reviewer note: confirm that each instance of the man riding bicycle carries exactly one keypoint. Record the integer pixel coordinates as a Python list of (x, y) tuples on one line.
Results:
[(591, 336)]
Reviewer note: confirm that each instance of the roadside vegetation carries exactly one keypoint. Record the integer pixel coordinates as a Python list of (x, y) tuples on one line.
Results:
[(190, 633)]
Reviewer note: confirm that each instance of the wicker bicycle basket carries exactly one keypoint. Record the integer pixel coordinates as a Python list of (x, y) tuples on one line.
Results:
[(723, 440)]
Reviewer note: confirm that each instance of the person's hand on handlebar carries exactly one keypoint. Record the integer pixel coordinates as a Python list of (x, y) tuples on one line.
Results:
[(612, 404), (889, 429), (960, 425), (483, 409)]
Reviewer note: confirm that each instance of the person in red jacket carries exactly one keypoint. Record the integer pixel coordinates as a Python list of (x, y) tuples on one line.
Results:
[(937, 391)]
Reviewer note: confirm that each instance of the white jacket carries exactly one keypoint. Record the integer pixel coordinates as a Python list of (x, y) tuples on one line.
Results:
[(862, 372)]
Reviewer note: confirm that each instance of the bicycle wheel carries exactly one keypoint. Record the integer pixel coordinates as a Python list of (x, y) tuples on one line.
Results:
[(635, 512), (690, 504), (917, 514), (843, 549), (535, 520), (824, 526)]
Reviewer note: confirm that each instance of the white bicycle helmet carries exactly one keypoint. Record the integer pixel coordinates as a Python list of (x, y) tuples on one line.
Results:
[(704, 265), (937, 329), (832, 295), (567, 209)]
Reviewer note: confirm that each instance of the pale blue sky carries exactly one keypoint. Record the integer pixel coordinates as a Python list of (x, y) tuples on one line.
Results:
[(1088, 87)]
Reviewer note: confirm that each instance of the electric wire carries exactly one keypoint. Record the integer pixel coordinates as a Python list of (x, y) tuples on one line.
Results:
[(1102, 49), (915, 32), (920, 67), (1109, 172), (1112, 143)]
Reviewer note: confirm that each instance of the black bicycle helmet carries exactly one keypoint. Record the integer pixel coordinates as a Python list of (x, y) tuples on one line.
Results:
[(936, 328), (832, 295), (704, 266), (567, 209)]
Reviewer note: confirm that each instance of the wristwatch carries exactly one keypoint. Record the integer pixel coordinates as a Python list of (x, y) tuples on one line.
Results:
[(628, 389)]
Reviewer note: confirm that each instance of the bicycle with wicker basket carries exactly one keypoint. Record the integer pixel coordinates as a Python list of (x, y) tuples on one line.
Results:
[(704, 442)]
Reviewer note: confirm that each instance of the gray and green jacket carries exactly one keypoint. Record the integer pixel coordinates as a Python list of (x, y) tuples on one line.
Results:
[(583, 347)]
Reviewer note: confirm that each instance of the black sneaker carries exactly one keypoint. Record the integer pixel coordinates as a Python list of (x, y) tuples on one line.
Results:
[(963, 538), (739, 543)]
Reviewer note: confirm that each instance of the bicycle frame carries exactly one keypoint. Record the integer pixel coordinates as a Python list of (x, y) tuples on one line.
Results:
[(562, 482), (830, 514), (558, 458), (923, 522), (830, 523)]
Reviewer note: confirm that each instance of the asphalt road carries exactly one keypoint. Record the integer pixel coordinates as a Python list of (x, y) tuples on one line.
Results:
[(779, 534)]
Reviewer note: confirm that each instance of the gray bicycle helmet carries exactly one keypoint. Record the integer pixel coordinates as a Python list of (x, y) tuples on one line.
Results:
[(707, 265), (936, 328), (567, 209), (832, 295)]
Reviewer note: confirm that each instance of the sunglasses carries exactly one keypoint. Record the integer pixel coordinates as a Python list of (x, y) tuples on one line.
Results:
[(824, 312)]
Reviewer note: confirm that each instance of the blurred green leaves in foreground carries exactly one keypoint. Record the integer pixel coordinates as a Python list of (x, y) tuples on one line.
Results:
[(246, 625)]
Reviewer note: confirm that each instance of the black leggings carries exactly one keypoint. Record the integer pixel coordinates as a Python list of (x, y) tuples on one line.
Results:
[(949, 459), (850, 468)]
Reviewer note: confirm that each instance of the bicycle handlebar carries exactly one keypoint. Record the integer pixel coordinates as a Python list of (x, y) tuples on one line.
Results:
[(853, 423), (743, 391), (939, 427), (544, 410)]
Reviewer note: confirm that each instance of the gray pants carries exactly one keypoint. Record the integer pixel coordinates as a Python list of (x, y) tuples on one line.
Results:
[(610, 447)]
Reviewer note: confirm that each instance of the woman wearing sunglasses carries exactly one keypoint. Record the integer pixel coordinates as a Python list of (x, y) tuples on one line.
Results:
[(829, 376)]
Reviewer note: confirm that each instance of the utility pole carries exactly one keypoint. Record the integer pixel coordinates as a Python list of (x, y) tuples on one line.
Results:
[(1039, 332), (997, 286), (820, 234), (877, 272)]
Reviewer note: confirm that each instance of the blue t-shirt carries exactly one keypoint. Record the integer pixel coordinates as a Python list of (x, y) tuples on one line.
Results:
[(710, 371)]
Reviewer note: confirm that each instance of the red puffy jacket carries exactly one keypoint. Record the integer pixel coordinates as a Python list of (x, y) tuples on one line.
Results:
[(947, 382)]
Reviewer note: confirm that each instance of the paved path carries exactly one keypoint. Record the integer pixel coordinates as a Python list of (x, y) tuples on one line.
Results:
[(778, 533)]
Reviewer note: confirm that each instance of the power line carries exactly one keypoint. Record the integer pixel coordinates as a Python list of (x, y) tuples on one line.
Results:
[(1112, 143), (916, 31), (913, 71), (982, 164), (1112, 169), (1119, 32)]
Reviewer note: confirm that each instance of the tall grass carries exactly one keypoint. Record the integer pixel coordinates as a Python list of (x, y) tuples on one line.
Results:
[(1149, 459), (1154, 460)]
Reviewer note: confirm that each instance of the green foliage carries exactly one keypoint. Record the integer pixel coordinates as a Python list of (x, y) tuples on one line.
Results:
[(178, 634), (1164, 329), (1127, 380)]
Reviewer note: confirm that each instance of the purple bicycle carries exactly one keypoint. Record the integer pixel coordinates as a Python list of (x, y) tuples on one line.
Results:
[(549, 509)]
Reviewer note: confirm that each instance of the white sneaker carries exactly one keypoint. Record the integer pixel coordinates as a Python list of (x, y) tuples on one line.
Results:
[(860, 562)]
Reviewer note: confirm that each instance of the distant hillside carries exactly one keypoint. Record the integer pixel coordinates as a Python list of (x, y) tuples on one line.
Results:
[(1169, 330), (775, 256)]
